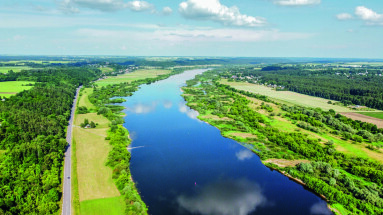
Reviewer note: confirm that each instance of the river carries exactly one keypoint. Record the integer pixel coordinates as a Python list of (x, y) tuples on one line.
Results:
[(182, 165)]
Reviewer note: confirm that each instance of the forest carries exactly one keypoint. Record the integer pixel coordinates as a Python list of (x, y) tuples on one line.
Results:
[(32, 133), (353, 182), (352, 86)]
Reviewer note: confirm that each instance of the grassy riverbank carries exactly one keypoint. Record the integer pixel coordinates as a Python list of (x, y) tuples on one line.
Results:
[(314, 143), (103, 175)]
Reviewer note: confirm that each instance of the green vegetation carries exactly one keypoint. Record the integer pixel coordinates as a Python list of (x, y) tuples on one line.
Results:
[(110, 206), (351, 87), (33, 128), (287, 97), (74, 181), (349, 182), (378, 115)]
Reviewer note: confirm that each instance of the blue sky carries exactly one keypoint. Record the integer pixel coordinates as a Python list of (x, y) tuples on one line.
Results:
[(254, 28)]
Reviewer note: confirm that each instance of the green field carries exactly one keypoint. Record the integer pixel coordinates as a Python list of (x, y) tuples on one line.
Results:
[(5, 69), (110, 206), (84, 101), (9, 88), (106, 69), (288, 97), (378, 115), (136, 75)]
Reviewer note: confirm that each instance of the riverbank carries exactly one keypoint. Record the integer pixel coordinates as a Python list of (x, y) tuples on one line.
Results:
[(278, 131)]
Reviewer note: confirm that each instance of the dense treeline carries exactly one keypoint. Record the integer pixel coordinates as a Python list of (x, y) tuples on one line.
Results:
[(352, 86), (330, 172), (32, 132)]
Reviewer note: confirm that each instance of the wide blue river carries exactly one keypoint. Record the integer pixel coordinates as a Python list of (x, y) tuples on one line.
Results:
[(182, 165)]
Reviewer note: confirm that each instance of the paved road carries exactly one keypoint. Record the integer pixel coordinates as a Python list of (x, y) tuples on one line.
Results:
[(66, 208)]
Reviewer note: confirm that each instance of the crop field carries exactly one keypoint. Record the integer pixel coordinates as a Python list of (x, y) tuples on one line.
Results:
[(374, 118), (288, 97), (378, 115), (136, 75), (110, 206), (5, 69), (106, 69), (9, 88)]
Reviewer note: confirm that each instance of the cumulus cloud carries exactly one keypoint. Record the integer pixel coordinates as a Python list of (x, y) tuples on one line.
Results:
[(344, 16), (139, 6), (167, 11), (215, 11), (296, 2), (71, 6), (244, 154), (371, 17), (227, 197)]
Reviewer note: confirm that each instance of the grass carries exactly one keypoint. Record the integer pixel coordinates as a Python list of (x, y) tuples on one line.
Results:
[(110, 206), (84, 101), (5, 69), (9, 88), (129, 77), (2, 152), (106, 69), (378, 115), (94, 178), (288, 97), (75, 194)]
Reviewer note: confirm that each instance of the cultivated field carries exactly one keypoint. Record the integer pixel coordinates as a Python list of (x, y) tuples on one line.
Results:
[(9, 88), (367, 118), (106, 69), (378, 115), (5, 69), (136, 75), (288, 97)]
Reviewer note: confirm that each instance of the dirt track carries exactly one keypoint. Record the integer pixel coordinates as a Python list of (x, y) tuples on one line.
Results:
[(363, 118)]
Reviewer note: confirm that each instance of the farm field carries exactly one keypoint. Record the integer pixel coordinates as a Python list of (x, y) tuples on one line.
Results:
[(378, 115), (288, 97), (9, 88), (374, 118), (136, 75), (5, 69), (95, 183), (106, 69)]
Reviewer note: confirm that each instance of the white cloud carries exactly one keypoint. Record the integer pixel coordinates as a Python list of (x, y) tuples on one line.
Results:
[(139, 6), (71, 6), (371, 17), (215, 11), (344, 16), (296, 2), (167, 11)]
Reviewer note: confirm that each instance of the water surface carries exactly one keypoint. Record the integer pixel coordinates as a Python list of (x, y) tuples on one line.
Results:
[(184, 166)]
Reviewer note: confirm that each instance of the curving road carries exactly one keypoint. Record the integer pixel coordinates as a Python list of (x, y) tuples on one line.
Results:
[(66, 207)]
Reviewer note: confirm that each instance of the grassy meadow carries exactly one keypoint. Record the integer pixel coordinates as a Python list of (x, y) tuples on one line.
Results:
[(288, 97), (110, 206), (5, 69), (136, 75), (94, 180), (378, 115), (9, 88)]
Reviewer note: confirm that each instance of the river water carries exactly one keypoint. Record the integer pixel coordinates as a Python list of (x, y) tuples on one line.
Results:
[(182, 165)]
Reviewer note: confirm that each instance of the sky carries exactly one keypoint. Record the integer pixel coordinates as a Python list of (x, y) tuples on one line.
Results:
[(244, 28)]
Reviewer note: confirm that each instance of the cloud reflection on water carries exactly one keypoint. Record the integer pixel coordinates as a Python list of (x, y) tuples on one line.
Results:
[(244, 154), (142, 108), (226, 197), (189, 112), (320, 208), (167, 104)]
